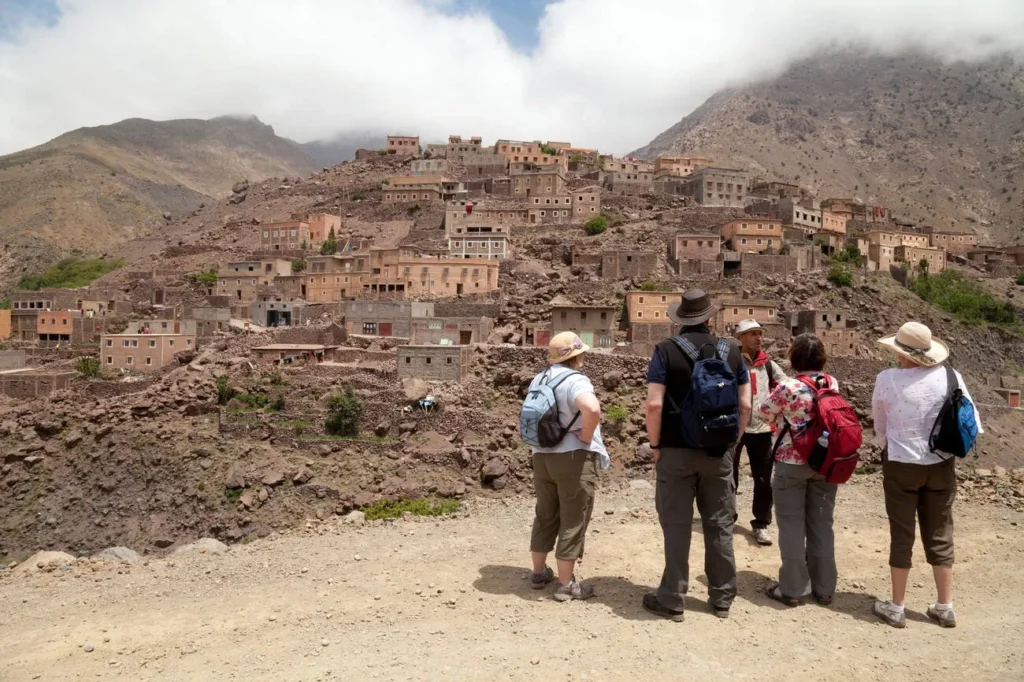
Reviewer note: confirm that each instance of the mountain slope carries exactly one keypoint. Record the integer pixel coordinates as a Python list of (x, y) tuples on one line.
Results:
[(95, 188), (342, 148), (941, 144)]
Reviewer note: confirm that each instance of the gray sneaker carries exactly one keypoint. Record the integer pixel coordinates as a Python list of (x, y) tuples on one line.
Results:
[(884, 610), (539, 580), (763, 537), (945, 618), (574, 590)]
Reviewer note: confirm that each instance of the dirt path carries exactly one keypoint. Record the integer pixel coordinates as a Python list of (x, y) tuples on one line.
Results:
[(448, 600)]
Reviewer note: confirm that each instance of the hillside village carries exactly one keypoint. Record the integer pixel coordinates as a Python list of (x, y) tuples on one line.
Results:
[(423, 280)]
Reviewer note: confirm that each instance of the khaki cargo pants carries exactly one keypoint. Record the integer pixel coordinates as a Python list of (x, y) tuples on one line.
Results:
[(565, 483)]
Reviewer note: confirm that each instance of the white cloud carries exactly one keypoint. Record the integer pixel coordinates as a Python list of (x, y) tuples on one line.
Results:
[(606, 73)]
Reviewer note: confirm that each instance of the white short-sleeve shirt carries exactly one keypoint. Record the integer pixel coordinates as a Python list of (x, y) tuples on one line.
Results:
[(905, 405), (566, 394)]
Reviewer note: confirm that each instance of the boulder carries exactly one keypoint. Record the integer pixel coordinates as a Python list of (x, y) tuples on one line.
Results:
[(129, 556), (499, 483), (303, 476), (72, 439), (493, 468), (273, 477), (235, 478), (240, 186), (611, 380), (202, 546), (382, 429), (356, 517), (406, 427), (45, 561), (415, 389)]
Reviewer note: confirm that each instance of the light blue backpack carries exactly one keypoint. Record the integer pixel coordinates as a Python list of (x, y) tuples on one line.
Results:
[(539, 423)]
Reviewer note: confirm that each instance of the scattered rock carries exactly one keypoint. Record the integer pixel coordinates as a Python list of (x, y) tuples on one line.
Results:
[(163, 543), (355, 517), (493, 468), (129, 556), (640, 484), (235, 477), (611, 380), (273, 478), (45, 562), (202, 546), (406, 427), (303, 476), (88, 648), (382, 429)]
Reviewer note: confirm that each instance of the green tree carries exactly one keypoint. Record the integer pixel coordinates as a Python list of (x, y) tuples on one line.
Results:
[(343, 414), (922, 266), (225, 392), (207, 277), (596, 225), (1020, 282), (5, 303), (840, 276), (330, 245), (298, 264), (88, 366)]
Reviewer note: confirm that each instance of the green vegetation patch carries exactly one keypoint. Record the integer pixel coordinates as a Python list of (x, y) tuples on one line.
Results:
[(421, 506), (596, 225), (840, 276), (967, 300), (70, 273)]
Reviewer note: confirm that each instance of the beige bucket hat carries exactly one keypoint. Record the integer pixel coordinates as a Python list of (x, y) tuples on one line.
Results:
[(746, 326), (565, 346), (915, 342)]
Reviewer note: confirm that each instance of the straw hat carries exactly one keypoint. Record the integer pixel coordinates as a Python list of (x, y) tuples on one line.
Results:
[(746, 326), (695, 308), (915, 342), (565, 346)]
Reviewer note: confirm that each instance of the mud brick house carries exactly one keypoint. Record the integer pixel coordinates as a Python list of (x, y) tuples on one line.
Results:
[(410, 272), (30, 383), (436, 363), (457, 146), (490, 212), (536, 334), (953, 242), (142, 352), (479, 245), (285, 235), (804, 214), (291, 353), (833, 223), (245, 280), (578, 156), (54, 325), (546, 181), (481, 165), (210, 320), (156, 326), (722, 187), (586, 203), (836, 330), (629, 183), (402, 145), (5, 324), (333, 278), (754, 234), (453, 190), (680, 166), (612, 165), (474, 226), (623, 264), (734, 310), (450, 331), (320, 226), (275, 313), (595, 324), (698, 247), (429, 166), (385, 318), (24, 324), (649, 306), (406, 189), (913, 255)]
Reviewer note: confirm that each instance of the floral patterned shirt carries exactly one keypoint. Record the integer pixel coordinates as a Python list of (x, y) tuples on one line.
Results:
[(792, 401)]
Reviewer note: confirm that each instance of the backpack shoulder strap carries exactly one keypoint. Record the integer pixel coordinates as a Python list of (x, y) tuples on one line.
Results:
[(559, 380), (723, 348), (952, 383), (685, 345)]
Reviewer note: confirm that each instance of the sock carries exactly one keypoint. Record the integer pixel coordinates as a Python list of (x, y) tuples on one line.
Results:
[(895, 608), (942, 607)]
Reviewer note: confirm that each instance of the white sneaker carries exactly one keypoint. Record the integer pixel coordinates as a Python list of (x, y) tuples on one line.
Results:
[(944, 617), (763, 537)]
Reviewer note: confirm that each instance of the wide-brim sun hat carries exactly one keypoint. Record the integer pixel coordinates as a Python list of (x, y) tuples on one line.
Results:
[(565, 346), (695, 308), (915, 342), (746, 326)]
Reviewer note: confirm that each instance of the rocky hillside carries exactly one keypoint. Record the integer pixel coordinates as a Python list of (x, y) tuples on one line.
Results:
[(942, 144), (93, 189)]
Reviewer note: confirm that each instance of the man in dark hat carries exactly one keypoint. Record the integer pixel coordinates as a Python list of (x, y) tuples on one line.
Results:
[(686, 474)]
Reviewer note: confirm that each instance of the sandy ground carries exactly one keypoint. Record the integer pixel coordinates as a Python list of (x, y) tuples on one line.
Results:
[(448, 600)]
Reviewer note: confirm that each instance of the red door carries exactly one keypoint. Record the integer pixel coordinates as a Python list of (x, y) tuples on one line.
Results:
[(385, 328), (542, 337)]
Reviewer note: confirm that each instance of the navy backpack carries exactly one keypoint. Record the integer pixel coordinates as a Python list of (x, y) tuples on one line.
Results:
[(710, 412)]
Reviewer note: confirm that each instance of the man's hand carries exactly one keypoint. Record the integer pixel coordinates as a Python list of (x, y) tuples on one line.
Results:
[(656, 453)]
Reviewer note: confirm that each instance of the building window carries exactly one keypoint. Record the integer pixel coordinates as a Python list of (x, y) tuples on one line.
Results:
[(128, 360), (152, 343), (110, 360), (149, 361), (639, 315), (110, 343), (170, 343)]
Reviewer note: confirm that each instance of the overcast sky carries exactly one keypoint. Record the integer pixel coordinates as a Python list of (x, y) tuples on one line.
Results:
[(610, 74)]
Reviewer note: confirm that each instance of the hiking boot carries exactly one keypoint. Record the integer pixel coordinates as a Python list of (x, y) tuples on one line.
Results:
[(763, 537), (574, 590), (539, 580), (719, 612), (885, 611), (944, 617), (652, 605)]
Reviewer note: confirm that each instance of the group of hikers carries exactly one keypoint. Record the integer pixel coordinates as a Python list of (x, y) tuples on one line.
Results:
[(711, 398)]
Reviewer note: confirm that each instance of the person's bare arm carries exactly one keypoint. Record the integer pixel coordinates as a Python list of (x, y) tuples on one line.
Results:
[(746, 407), (655, 406), (590, 416)]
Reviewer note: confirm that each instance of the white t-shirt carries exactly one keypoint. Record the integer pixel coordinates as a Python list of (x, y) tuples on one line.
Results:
[(905, 405), (566, 394)]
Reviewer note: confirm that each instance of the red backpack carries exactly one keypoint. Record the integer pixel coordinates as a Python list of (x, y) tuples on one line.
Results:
[(833, 414)]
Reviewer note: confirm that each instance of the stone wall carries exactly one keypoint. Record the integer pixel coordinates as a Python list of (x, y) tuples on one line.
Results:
[(760, 263), (12, 359), (699, 267), (34, 384), (437, 363), (623, 264), (467, 309)]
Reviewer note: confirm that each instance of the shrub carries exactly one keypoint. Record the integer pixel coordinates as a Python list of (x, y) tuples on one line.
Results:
[(848, 254), (418, 507), (88, 367), (343, 414), (358, 196), (71, 273), (840, 276), (1020, 282), (225, 392), (5, 303), (968, 301), (207, 277), (655, 286), (923, 265), (616, 416), (550, 151), (254, 401), (298, 264), (596, 225), (276, 402)]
